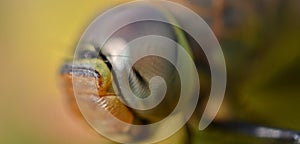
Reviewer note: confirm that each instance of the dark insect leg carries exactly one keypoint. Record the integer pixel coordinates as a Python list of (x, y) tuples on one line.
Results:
[(259, 131)]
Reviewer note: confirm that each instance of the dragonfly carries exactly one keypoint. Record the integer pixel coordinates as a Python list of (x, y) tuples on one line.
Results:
[(100, 95)]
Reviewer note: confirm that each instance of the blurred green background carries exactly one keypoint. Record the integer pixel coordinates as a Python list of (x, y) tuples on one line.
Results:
[(260, 40)]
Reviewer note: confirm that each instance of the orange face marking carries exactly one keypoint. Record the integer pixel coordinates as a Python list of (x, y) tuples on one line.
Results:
[(97, 101)]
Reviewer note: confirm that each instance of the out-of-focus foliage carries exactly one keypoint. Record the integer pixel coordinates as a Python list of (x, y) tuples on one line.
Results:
[(263, 57), (260, 40)]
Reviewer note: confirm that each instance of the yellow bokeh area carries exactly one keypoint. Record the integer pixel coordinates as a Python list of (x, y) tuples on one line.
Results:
[(36, 37)]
